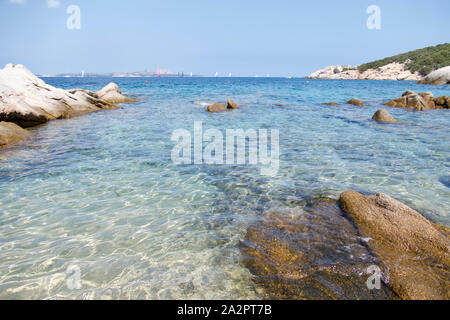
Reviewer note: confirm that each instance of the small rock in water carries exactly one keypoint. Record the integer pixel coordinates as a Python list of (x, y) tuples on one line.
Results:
[(384, 117), (11, 133), (111, 93), (217, 107), (442, 102), (356, 102), (331, 103), (232, 105)]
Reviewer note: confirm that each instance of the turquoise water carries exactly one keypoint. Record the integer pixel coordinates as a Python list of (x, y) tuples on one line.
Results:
[(100, 192)]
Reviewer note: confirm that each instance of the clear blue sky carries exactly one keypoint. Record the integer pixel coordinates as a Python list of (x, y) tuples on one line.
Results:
[(244, 37)]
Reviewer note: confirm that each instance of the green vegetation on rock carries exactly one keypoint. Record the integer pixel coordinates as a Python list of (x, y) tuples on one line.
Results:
[(423, 60)]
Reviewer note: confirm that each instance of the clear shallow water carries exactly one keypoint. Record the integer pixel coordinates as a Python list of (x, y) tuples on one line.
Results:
[(100, 191)]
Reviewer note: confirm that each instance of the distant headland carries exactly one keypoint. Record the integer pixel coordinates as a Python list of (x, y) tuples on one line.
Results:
[(412, 66)]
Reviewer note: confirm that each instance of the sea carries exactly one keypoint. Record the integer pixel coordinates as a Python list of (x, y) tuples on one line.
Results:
[(94, 207)]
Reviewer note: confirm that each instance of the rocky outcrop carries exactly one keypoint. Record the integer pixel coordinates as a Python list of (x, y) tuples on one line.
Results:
[(11, 133), (356, 102), (437, 77), (232, 105), (217, 107), (28, 101), (384, 117), (111, 93), (419, 102), (413, 249), (392, 71)]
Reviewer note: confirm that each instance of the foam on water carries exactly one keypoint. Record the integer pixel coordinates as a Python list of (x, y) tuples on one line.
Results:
[(100, 191)]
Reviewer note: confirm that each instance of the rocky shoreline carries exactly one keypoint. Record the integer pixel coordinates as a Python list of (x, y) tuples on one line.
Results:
[(392, 71), (27, 101)]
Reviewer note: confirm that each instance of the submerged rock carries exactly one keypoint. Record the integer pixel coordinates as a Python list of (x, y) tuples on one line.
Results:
[(313, 253), (217, 107), (445, 180), (28, 101), (415, 250), (356, 102), (437, 77), (384, 117), (232, 105), (11, 133)]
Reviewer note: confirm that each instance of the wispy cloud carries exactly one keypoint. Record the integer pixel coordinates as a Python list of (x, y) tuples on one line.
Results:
[(52, 3), (17, 1)]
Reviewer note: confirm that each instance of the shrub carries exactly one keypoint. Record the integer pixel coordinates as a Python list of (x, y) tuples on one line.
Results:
[(423, 60)]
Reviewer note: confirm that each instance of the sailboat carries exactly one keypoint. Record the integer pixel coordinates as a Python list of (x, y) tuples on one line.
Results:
[(217, 74), (229, 75), (82, 74)]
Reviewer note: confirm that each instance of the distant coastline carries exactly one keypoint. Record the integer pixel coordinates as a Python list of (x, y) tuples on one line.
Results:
[(139, 74)]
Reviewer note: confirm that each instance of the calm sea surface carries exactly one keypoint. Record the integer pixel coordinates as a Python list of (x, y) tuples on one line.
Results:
[(99, 193)]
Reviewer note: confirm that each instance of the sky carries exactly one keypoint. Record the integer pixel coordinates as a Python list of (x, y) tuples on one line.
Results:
[(245, 37)]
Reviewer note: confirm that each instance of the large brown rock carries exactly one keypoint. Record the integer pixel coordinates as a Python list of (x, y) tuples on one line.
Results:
[(217, 107), (415, 250), (410, 99), (384, 117), (11, 133), (356, 102), (309, 253)]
